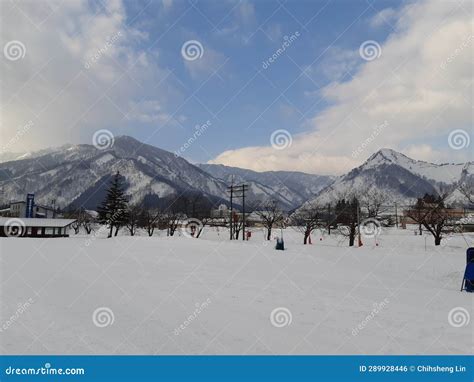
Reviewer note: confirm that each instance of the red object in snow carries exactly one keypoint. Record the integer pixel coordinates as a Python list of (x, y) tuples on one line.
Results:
[(320, 239)]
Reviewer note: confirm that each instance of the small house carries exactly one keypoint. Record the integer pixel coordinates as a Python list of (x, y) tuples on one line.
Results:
[(34, 227)]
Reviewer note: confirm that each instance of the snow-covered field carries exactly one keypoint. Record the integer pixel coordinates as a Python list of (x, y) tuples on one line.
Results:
[(160, 295)]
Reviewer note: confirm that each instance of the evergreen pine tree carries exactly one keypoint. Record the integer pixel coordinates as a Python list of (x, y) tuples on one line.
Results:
[(113, 211)]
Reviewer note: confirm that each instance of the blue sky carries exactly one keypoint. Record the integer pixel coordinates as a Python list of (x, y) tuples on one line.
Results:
[(85, 66), (244, 102)]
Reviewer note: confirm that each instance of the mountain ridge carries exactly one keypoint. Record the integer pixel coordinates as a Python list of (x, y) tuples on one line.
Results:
[(77, 174)]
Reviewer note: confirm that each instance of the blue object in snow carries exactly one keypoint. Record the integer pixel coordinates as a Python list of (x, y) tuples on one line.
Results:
[(468, 279), (280, 245)]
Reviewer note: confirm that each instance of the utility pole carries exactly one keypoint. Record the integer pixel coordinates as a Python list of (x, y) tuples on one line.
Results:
[(231, 209), (396, 215), (358, 224), (237, 191), (243, 212), (329, 218)]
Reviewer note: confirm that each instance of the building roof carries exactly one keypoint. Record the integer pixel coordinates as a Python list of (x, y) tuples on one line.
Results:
[(35, 222), (36, 205)]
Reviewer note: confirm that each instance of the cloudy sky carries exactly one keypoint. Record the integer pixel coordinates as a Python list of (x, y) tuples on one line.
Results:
[(315, 86)]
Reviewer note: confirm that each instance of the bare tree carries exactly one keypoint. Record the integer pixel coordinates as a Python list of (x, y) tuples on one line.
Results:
[(88, 222), (307, 219), (371, 200), (133, 219), (271, 215), (237, 225), (82, 219), (346, 212), (76, 226), (173, 220), (431, 212), (205, 221), (149, 219)]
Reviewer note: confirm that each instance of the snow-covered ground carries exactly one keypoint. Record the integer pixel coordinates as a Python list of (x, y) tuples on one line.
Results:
[(160, 295)]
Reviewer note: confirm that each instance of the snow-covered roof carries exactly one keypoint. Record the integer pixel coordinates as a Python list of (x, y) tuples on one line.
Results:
[(36, 222)]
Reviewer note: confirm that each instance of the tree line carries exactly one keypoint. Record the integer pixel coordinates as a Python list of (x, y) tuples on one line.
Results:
[(343, 215)]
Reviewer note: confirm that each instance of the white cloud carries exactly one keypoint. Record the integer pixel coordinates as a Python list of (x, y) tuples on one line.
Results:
[(79, 74), (152, 112), (385, 16), (210, 63), (413, 86)]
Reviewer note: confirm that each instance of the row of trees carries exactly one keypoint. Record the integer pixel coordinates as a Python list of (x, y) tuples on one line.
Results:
[(116, 213), (344, 214)]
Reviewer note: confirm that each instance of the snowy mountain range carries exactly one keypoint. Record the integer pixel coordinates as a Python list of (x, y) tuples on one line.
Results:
[(78, 175), (400, 178), (290, 188)]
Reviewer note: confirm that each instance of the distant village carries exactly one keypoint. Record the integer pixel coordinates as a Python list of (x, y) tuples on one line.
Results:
[(347, 216)]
